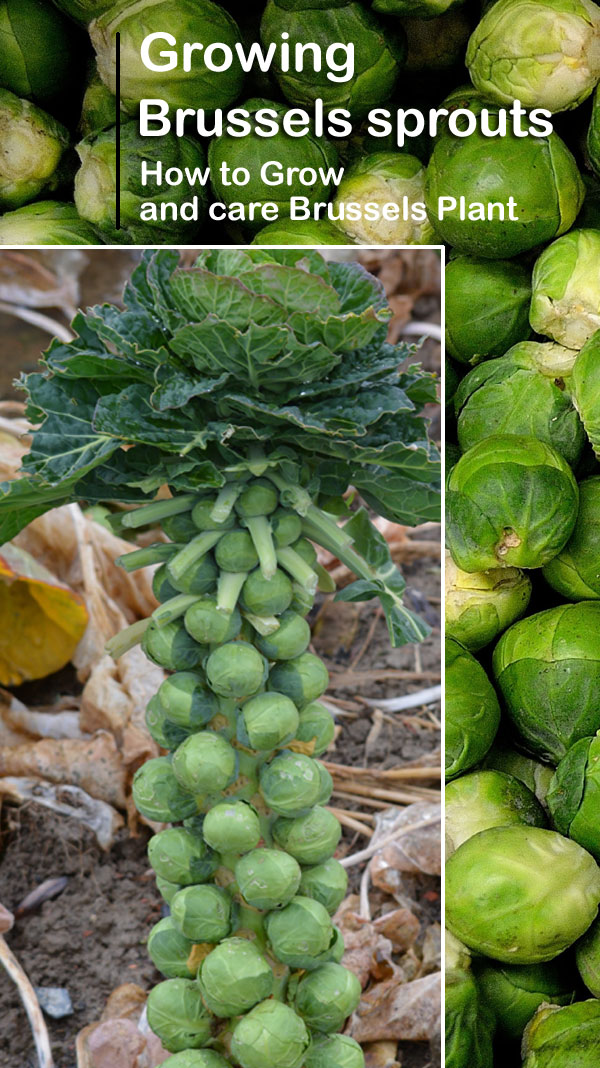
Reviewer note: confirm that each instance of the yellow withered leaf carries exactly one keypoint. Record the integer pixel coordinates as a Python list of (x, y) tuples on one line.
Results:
[(41, 619)]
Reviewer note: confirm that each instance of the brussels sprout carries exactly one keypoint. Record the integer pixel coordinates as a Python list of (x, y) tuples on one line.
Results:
[(573, 794), (202, 516), (586, 388), (258, 498), (303, 679), (546, 57), (180, 527), (520, 894), (202, 913), (83, 10), (326, 883), (384, 178), (300, 232), (334, 1051), (157, 793), (563, 1037), (479, 605), (236, 670), (46, 222), (300, 932), (487, 307), (165, 733), (456, 955), (536, 776), (487, 171), (317, 726), (171, 647), (199, 578), (186, 700), (472, 710), (268, 721), (421, 9), (574, 572), (286, 527), (524, 392), (181, 857), (162, 586), (469, 1023), (486, 799), (198, 20), (548, 669), (514, 991), (266, 597), (289, 640), (235, 552), (166, 889), (593, 137), (565, 302), (146, 211), (271, 1035), (98, 107), (290, 784), (436, 43), (40, 52), (207, 624), (587, 956), (197, 1058), (205, 763), (511, 501), (33, 144), (234, 977), (254, 153), (310, 839), (232, 827), (267, 878), (378, 54), (177, 1015), (327, 996), (170, 951)]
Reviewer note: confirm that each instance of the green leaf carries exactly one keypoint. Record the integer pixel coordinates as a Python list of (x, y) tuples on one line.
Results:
[(400, 499), (22, 501), (129, 416), (176, 388)]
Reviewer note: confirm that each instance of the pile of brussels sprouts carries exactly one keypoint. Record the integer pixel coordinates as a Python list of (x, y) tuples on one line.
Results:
[(58, 115), (523, 659)]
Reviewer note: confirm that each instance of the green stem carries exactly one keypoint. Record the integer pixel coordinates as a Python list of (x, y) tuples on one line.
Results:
[(327, 526), (297, 567), (342, 549), (126, 639), (265, 625), (293, 495), (173, 609), (260, 532), (152, 513), (229, 587), (151, 554), (192, 552), (326, 583), (225, 502)]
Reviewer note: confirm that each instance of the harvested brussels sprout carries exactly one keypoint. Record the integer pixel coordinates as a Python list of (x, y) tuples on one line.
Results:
[(536, 776), (565, 302), (204, 763), (384, 178), (587, 956), (573, 794), (469, 1023), (485, 799), (326, 997), (33, 144), (267, 878), (177, 1015), (551, 662), (234, 977), (562, 1037), (574, 573), (40, 52), (487, 307), (593, 137), (232, 827), (158, 794), (326, 883), (511, 501), (269, 720), (586, 388), (301, 232), (521, 894), (181, 857), (472, 710), (202, 913), (303, 679), (271, 1035), (169, 950), (479, 605), (515, 991)]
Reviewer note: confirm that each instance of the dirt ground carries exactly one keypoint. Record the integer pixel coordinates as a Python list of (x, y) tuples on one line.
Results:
[(91, 937)]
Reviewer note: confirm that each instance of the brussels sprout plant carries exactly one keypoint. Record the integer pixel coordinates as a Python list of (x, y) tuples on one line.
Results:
[(199, 378)]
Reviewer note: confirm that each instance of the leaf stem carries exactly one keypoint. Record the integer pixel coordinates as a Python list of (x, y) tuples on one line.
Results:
[(153, 513), (225, 502), (260, 532), (126, 639), (298, 568), (229, 588), (192, 552), (173, 609), (151, 554)]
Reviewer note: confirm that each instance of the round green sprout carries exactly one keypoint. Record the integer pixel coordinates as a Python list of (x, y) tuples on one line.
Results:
[(177, 1015), (327, 996), (300, 933), (170, 646), (202, 913), (180, 527), (384, 178), (310, 839), (289, 640), (515, 991), (511, 501), (267, 878), (166, 889), (286, 527), (271, 1035), (235, 552), (316, 726), (165, 733), (551, 661), (536, 776), (524, 392), (269, 720), (520, 894), (546, 55), (202, 516), (469, 1023), (232, 827), (290, 784), (573, 795), (162, 586), (169, 950), (303, 679), (204, 763), (157, 793), (565, 302), (593, 137), (181, 857), (486, 799), (197, 579), (40, 52), (186, 700), (587, 957), (574, 572), (266, 597), (562, 1037), (586, 388), (197, 1058), (334, 1051), (300, 232), (479, 605), (236, 669), (234, 977), (207, 624), (326, 883), (487, 307), (259, 498), (472, 710), (33, 144), (46, 222)]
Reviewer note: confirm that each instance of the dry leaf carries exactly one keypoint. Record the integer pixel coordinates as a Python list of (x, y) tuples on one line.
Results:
[(368, 952), (122, 1033), (41, 620), (417, 851), (54, 722), (400, 926), (93, 764), (381, 1055), (407, 1012)]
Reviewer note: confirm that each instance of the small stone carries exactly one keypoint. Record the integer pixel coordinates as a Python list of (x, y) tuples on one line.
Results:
[(55, 1001)]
